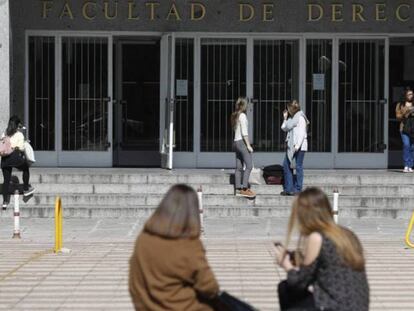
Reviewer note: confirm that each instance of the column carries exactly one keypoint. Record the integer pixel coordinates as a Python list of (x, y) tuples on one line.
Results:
[(5, 64)]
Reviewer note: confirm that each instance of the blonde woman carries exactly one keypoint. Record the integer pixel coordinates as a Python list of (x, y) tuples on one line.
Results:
[(327, 270), (243, 149), (169, 268)]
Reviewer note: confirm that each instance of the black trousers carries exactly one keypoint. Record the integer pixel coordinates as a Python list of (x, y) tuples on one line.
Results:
[(291, 298), (15, 160)]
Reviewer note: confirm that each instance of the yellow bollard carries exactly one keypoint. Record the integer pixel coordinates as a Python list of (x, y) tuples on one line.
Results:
[(58, 225), (408, 233)]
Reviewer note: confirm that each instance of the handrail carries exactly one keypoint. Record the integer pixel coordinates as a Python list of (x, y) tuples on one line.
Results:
[(58, 225), (409, 231)]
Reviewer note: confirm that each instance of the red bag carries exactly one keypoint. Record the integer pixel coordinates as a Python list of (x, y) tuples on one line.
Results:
[(274, 180), (5, 146)]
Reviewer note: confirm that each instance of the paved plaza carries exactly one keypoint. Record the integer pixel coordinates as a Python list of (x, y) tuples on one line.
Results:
[(94, 275)]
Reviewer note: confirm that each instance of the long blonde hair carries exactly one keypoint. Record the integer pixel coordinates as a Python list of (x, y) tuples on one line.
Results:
[(312, 212), (241, 106)]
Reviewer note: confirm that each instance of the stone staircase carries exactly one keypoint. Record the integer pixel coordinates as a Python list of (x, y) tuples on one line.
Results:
[(115, 192)]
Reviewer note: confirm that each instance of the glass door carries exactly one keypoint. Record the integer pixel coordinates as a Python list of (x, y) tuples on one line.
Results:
[(223, 80), (276, 82), (86, 105), (362, 104), (137, 109)]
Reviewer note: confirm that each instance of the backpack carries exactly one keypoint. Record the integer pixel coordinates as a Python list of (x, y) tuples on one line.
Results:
[(408, 127), (5, 146), (273, 174)]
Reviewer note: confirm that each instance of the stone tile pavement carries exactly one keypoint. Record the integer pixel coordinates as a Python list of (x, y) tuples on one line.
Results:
[(94, 275)]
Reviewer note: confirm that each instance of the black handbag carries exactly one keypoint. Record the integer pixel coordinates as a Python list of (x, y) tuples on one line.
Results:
[(226, 302)]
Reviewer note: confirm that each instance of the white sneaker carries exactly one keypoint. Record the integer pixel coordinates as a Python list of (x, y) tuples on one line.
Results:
[(406, 170), (410, 170)]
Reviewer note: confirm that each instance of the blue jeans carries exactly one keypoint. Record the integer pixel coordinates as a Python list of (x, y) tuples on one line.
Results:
[(293, 183), (408, 150)]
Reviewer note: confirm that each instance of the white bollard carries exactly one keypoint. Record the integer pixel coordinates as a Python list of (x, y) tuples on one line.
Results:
[(200, 205), (16, 233), (335, 205)]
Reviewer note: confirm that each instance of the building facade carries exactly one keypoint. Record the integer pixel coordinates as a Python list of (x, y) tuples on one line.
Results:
[(153, 83)]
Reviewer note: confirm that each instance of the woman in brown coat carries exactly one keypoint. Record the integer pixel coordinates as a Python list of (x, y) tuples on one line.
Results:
[(169, 269)]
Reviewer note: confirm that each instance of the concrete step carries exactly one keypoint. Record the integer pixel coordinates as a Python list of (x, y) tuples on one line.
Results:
[(224, 178), (365, 190), (215, 200), (113, 211)]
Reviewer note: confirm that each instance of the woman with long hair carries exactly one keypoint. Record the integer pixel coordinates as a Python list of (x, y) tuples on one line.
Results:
[(16, 159), (405, 114), (327, 270), (168, 268), (295, 125), (243, 149)]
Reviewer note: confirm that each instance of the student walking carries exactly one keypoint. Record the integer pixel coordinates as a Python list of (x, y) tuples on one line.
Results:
[(327, 270), (243, 149), (14, 158), (169, 268), (405, 114), (295, 125)]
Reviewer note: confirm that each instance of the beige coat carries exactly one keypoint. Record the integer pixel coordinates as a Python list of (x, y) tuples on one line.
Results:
[(167, 274)]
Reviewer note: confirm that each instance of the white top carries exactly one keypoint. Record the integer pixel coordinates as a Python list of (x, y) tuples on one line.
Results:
[(300, 135), (17, 140), (242, 127), (297, 131)]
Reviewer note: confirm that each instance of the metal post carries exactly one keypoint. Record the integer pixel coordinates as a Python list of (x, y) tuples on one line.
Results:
[(16, 233), (200, 205), (335, 205), (408, 233), (58, 225)]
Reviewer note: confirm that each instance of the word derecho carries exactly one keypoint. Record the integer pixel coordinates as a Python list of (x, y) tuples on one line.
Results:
[(245, 12)]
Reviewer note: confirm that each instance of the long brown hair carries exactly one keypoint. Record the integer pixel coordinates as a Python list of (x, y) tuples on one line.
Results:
[(177, 216), (312, 212), (241, 106), (293, 107), (404, 100)]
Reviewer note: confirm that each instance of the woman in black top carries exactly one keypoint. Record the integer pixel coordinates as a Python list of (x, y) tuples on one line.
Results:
[(327, 271)]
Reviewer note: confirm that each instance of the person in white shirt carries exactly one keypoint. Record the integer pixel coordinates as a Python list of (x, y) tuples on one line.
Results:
[(243, 149), (15, 159), (297, 144)]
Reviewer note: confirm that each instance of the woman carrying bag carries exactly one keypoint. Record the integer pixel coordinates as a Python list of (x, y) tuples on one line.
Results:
[(327, 269), (295, 125), (404, 113), (13, 157), (243, 149)]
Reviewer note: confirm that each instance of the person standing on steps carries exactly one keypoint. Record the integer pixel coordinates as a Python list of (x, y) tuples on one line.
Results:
[(243, 149), (295, 125), (405, 114), (16, 159)]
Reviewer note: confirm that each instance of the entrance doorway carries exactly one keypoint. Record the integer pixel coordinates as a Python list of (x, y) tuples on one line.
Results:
[(401, 77), (137, 102)]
